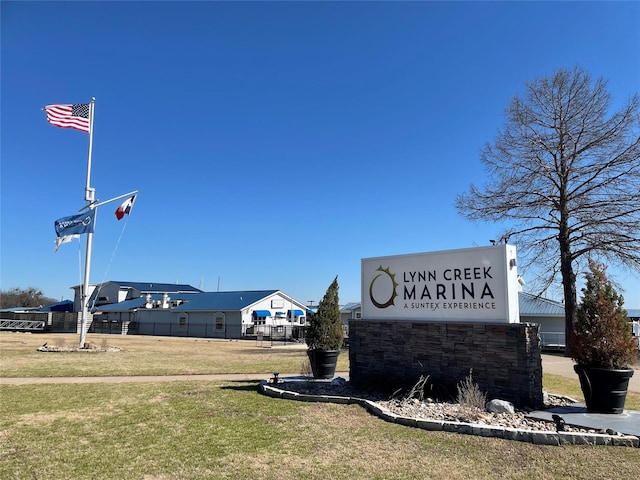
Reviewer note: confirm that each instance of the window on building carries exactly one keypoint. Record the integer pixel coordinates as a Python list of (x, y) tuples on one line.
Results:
[(183, 321)]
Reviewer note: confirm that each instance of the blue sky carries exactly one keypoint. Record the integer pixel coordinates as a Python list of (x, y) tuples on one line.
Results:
[(274, 144)]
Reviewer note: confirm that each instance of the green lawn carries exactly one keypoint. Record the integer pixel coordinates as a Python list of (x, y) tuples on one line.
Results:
[(226, 430)]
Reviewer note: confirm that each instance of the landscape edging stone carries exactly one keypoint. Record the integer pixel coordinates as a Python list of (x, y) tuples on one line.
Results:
[(537, 437)]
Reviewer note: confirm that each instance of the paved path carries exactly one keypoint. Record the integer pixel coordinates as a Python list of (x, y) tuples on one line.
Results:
[(563, 366), (554, 364), (143, 378)]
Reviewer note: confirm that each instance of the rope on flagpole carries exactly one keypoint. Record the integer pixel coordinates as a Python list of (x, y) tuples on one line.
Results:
[(113, 254), (80, 266)]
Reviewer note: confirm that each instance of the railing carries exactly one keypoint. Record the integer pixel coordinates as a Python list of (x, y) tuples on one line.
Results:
[(275, 333), (190, 329), (107, 327), (23, 325), (65, 322), (261, 333), (57, 322), (552, 340)]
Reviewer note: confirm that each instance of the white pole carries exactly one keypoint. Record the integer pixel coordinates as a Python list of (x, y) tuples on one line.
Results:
[(85, 291), (89, 196), (99, 204), (89, 193)]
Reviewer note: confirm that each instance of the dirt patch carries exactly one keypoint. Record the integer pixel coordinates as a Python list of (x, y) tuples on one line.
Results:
[(89, 347)]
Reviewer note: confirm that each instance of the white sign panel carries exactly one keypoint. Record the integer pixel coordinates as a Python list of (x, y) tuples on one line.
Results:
[(474, 284)]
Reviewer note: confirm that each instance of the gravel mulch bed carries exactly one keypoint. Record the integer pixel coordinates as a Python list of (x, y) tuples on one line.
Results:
[(436, 410)]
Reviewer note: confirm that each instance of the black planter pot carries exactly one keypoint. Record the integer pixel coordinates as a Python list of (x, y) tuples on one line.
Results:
[(604, 389), (323, 362)]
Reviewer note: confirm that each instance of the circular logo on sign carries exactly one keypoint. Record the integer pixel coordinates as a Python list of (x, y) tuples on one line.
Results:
[(385, 301)]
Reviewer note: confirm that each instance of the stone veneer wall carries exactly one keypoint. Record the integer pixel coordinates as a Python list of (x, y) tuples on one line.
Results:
[(505, 358)]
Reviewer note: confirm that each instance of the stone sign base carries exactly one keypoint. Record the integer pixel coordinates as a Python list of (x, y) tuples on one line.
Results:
[(505, 357)]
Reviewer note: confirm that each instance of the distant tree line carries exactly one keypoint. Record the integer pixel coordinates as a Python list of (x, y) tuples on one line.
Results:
[(24, 297)]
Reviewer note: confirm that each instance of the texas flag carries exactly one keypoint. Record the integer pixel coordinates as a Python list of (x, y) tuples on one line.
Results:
[(125, 207)]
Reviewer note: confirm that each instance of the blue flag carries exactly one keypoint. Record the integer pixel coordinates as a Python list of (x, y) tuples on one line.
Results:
[(76, 224)]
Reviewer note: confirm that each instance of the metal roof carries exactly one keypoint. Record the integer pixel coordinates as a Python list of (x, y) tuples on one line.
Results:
[(532, 305), (197, 301), (141, 301), (62, 306), (350, 306), (150, 287), (224, 300), (20, 309)]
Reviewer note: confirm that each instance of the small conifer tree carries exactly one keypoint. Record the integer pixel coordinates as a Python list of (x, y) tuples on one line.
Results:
[(324, 331), (602, 333)]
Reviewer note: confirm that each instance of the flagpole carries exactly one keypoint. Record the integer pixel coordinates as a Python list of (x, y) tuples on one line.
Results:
[(89, 196), (96, 205), (89, 193)]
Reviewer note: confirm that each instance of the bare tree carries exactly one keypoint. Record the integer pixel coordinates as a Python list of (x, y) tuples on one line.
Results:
[(24, 297), (566, 173)]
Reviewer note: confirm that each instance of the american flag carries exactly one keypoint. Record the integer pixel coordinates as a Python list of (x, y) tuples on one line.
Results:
[(69, 116)]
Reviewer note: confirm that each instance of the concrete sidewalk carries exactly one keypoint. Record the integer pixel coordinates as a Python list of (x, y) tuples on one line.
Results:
[(144, 378), (563, 366), (553, 364)]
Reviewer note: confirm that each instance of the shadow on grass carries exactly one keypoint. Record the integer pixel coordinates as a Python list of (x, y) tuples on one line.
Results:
[(242, 386), (259, 350)]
